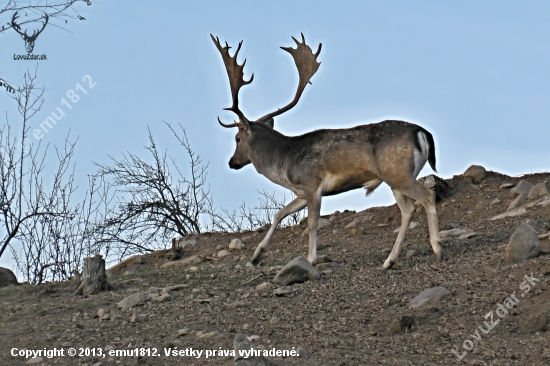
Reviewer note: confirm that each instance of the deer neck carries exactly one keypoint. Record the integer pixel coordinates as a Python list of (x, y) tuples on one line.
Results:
[(267, 152)]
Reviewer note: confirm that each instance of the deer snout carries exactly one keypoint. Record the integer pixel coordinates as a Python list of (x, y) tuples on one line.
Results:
[(233, 164)]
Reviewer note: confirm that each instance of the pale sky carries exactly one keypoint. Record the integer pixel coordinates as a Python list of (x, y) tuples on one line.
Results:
[(475, 74)]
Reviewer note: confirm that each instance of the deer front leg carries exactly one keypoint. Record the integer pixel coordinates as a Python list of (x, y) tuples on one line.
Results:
[(296, 205), (313, 213)]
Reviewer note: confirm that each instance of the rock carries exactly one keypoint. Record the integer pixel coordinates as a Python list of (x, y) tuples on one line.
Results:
[(35, 360), (453, 233), (283, 291), (351, 224), (223, 253), (242, 345), (236, 244), (163, 297), (523, 187), (137, 318), (133, 300), (263, 286), (128, 266), (302, 353), (183, 243), (326, 265), (516, 212), (194, 259), (183, 332), (431, 295), (7, 277), (175, 287), (524, 244), (295, 229), (357, 231), (412, 225), (103, 314), (239, 304), (517, 203), (476, 172), (296, 271), (506, 185), (496, 201), (539, 190), (274, 320), (411, 253), (322, 223), (468, 235)]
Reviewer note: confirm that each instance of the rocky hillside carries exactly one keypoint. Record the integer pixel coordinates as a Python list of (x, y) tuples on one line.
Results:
[(487, 303)]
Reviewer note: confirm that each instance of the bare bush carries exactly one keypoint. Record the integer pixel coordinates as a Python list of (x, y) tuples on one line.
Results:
[(152, 204)]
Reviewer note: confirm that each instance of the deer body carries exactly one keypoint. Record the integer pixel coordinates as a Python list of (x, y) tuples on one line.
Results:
[(331, 161)]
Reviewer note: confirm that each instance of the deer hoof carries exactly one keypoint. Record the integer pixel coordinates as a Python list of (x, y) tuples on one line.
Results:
[(387, 265), (257, 258), (440, 256)]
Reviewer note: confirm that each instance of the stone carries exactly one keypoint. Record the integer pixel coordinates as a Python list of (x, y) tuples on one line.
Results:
[(194, 259), (523, 187), (239, 304), (163, 297), (183, 332), (411, 253), (506, 185), (7, 277), (468, 235), (236, 244), (183, 243), (323, 223), (35, 360), (496, 201), (326, 265), (263, 286), (476, 172), (539, 190), (412, 225), (133, 300), (517, 203), (524, 244), (430, 295), (274, 320), (296, 271), (283, 291), (302, 353), (242, 345), (131, 265), (137, 318), (452, 233), (351, 224), (357, 231), (223, 253), (513, 213)]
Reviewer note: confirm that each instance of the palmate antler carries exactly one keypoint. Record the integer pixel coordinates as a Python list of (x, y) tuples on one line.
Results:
[(306, 63)]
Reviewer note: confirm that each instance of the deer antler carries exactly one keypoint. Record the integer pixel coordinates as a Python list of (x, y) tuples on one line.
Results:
[(307, 65), (17, 27), (14, 25), (236, 78)]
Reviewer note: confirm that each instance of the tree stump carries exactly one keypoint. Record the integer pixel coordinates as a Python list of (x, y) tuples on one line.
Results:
[(93, 278)]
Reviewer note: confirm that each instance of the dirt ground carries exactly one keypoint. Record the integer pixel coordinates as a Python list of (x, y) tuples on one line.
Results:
[(356, 314)]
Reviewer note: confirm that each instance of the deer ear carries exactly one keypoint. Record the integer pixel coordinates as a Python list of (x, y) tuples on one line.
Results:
[(270, 122)]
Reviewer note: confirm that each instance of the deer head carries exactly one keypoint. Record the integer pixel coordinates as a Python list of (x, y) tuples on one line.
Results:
[(307, 65), (29, 40)]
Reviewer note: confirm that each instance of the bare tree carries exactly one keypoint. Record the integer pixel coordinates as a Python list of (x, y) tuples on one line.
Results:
[(152, 204), (63, 10)]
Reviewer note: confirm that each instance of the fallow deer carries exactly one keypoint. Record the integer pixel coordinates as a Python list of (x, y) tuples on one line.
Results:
[(331, 161)]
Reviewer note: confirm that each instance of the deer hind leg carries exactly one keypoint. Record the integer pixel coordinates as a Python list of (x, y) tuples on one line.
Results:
[(406, 205), (313, 214), (296, 205), (426, 197)]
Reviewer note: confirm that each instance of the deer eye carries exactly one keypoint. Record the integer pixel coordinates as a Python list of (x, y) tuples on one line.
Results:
[(237, 139)]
